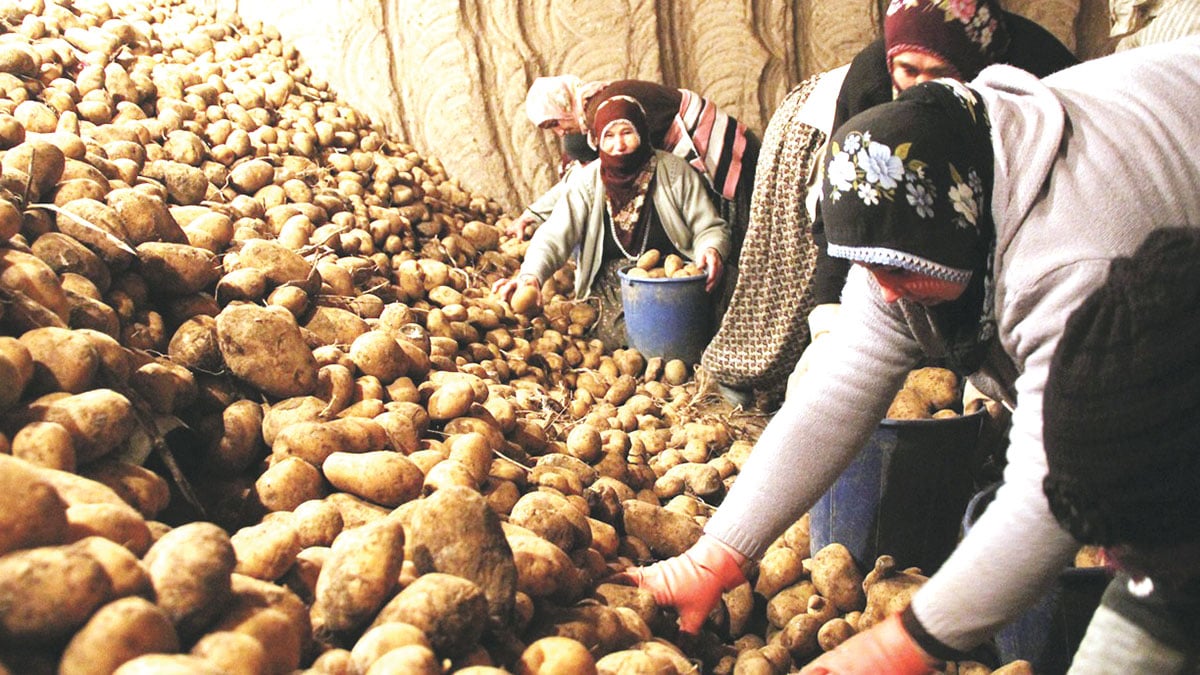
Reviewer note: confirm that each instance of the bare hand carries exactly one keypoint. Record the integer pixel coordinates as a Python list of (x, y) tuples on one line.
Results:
[(711, 263), (505, 288), (516, 227)]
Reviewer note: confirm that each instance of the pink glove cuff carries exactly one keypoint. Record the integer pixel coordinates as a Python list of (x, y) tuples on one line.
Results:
[(902, 649), (720, 559)]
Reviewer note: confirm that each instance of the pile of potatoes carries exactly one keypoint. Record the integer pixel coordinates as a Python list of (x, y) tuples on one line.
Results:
[(654, 265), (260, 413)]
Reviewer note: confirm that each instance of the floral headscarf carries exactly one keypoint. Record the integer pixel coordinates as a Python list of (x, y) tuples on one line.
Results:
[(908, 184), (967, 34), (561, 97)]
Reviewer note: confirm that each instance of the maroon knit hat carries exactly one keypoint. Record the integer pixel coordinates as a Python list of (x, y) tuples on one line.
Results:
[(967, 34), (1121, 409)]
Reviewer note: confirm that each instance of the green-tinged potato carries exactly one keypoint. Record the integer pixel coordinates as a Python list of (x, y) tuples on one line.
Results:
[(266, 550), (384, 477), (118, 632), (31, 511), (177, 269), (264, 347), (190, 568), (47, 593), (362, 571)]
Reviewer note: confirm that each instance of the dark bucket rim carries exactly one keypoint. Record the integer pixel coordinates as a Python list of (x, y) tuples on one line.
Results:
[(929, 421)]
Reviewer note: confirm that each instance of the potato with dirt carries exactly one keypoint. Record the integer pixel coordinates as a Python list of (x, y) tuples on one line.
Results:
[(47, 593), (362, 571), (263, 347), (120, 631), (190, 568)]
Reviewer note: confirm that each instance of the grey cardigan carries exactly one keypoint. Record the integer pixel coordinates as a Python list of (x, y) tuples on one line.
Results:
[(680, 197), (1088, 161)]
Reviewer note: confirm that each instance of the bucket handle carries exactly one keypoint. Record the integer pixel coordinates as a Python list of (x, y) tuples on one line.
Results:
[(979, 503)]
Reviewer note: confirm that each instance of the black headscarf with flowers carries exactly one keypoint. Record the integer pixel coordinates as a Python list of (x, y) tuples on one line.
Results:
[(908, 184)]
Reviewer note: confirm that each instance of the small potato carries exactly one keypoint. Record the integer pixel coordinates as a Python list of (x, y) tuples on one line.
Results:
[(234, 653), (177, 269), (556, 654), (265, 551), (526, 300), (288, 483), (117, 523), (16, 369), (649, 260), (382, 639)]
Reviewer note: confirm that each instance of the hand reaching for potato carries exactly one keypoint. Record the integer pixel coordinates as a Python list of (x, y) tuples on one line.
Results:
[(713, 266), (516, 228), (523, 292), (693, 581)]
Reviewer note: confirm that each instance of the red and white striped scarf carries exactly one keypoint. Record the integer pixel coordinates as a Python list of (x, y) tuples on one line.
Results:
[(711, 141)]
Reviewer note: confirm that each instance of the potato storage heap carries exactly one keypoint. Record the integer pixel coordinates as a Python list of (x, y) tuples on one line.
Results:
[(259, 412)]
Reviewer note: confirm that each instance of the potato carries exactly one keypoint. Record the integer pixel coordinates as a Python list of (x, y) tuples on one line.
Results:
[(177, 269), (554, 654), (378, 354), (64, 254), (779, 568), (361, 573), (836, 577), (45, 444), (98, 420), (168, 387), (526, 300), (62, 360), (118, 523), (384, 477), (288, 483), (139, 487), (35, 281), (450, 610), (97, 226), (123, 568), (16, 369), (888, 591), (234, 653), (314, 442), (266, 550), (908, 405), (47, 593), (190, 568), (43, 162), (553, 518), (382, 639), (543, 569), (450, 400), (31, 511), (938, 386), (415, 659), (666, 533), (238, 442), (279, 264), (145, 217), (118, 632), (168, 664), (263, 347)]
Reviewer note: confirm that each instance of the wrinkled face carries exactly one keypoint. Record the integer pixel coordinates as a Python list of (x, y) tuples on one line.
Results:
[(619, 138), (911, 68), (561, 127), (900, 284)]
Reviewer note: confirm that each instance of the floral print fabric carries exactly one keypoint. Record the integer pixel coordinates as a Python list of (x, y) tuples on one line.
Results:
[(966, 34), (907, 183)]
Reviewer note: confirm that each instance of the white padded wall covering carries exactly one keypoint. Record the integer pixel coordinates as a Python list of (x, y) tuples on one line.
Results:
[(450, 77)]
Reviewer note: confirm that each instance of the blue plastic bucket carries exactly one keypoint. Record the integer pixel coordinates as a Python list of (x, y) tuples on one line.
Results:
[(903, 495), (1047, 634), (671, 318)]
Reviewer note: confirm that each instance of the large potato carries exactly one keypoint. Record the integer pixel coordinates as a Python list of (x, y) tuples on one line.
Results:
[(177, 269), (63, 360), (44, 299), (98, 420), (362, 570), (31, 512), (190, 568), (451, 611), (47, 593), (385, 477), (263, 347), (97, 226)]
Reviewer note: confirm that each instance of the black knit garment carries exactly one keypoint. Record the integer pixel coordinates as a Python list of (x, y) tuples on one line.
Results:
[(1122, 402)]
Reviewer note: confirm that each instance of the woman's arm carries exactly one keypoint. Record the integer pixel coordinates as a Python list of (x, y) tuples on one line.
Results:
[(553, 243)]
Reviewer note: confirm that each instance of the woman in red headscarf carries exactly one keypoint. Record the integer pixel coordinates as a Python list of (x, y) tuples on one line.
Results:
[(634, 198)]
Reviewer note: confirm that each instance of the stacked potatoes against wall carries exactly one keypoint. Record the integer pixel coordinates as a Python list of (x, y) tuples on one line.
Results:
[(210, 265)]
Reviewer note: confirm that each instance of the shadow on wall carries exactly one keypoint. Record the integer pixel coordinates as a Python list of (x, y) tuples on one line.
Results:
[(450, 77)]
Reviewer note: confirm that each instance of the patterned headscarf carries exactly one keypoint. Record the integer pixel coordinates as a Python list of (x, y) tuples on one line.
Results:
[(967, 34), (908, 184), (561, 97)]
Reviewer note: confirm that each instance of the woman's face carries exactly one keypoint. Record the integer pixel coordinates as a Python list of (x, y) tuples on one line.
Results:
[(619, 138), (912, 68), (900, 284), (561, 127)]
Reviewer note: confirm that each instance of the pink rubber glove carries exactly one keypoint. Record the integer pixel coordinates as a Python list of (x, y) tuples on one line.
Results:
[(694, 581), (884, 649)]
